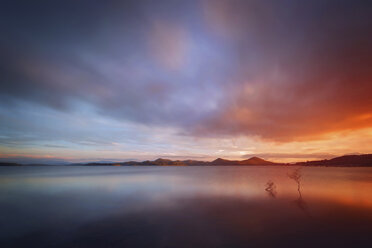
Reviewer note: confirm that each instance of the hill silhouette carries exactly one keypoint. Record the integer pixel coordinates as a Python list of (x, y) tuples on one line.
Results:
[(9, 164), (364, 160), (250, 161), (256, 161), (216, 162), (347, 160)]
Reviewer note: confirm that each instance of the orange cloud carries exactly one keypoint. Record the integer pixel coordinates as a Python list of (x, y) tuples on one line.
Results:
[(295, 80)]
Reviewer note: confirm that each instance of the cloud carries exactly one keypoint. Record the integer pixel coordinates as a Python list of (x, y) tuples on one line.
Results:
[(169, 44), (303, 70), (282, 71), (124, 60)]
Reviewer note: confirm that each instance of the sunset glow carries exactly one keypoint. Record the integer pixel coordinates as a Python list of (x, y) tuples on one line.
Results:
[(134, 80)]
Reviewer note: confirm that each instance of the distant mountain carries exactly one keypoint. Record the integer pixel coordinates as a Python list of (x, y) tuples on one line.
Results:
[(168, 162), (9, 164), (157, 162), (28, 161), (347, 160), (251, 161), (220, 161), (256, 161), (343, 161)]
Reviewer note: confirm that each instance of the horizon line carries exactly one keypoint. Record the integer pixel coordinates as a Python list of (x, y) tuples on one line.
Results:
[(110, 161)]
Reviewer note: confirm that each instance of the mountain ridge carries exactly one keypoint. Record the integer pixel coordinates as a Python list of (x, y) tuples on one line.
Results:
[(363, 160), (349, 160)]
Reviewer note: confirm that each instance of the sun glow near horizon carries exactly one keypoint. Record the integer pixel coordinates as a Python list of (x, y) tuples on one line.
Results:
[(189, 80)]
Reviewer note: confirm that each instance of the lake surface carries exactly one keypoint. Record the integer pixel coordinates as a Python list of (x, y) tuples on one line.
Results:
[(76, 206)]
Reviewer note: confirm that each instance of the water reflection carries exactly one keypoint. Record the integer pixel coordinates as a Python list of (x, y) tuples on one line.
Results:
[(185, 207)]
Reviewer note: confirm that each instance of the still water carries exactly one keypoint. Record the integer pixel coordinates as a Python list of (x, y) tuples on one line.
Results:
[(76, 206)]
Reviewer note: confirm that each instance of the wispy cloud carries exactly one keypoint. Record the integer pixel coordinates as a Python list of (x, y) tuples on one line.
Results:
[(88, 74)]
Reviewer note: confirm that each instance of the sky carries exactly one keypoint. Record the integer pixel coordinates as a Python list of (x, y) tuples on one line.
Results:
[(83, 80)]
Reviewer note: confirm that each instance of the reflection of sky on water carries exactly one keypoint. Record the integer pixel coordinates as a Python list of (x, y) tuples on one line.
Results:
[(68, 197), (346, 185)]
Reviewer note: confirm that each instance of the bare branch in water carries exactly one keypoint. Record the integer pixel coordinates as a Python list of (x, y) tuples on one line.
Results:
[(296, 176), (271, 188)]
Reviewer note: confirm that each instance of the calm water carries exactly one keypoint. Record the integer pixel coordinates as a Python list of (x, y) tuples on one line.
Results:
[(185, 207)]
